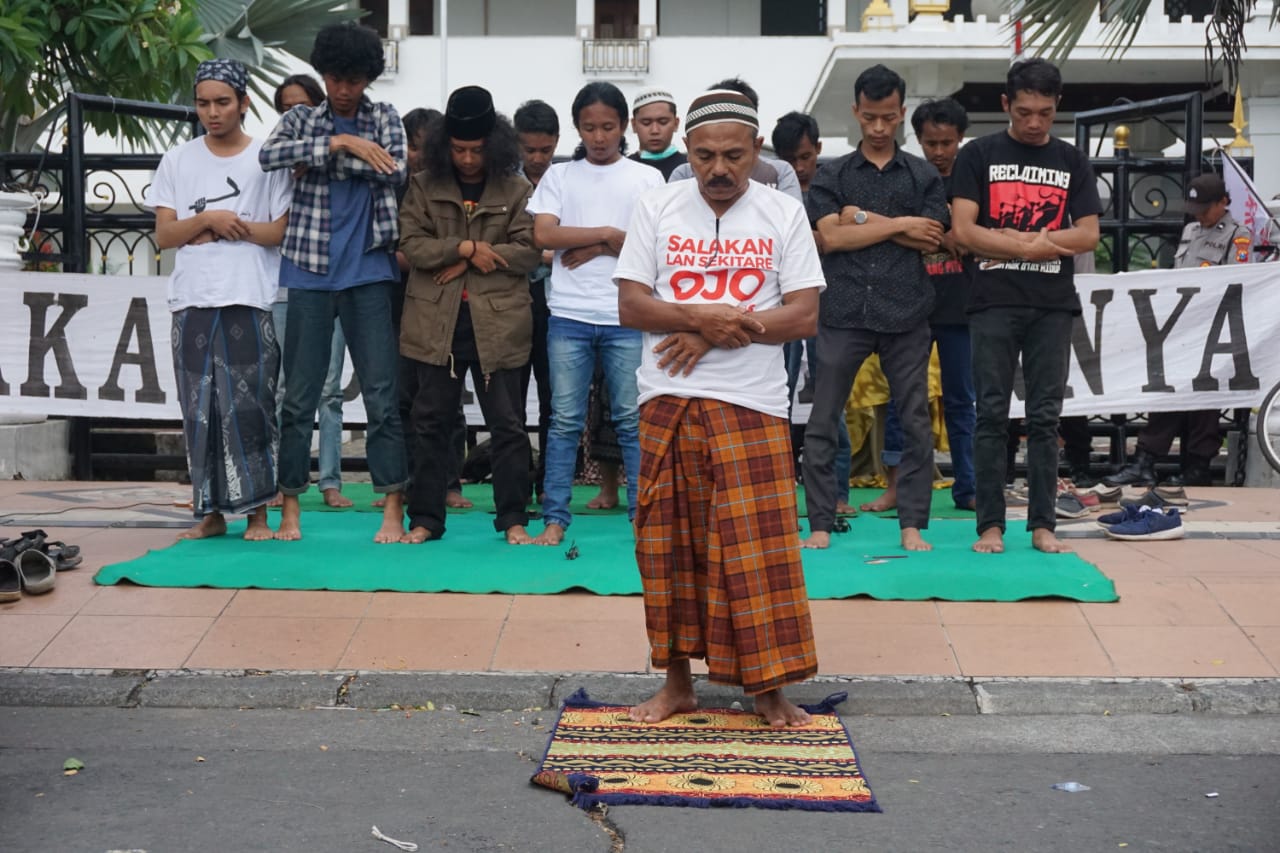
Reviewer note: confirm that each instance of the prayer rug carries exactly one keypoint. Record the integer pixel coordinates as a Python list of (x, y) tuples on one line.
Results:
[(705, 758)]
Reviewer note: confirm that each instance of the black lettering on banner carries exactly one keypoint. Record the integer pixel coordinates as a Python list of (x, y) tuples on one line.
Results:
[(150, 392), (41, 342), (1230, 313), (1089, 356), (1154, 335)]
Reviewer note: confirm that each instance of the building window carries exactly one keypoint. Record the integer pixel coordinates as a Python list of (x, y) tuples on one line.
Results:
[(422, 17), (376, 17), (617, 19), (793, 17)]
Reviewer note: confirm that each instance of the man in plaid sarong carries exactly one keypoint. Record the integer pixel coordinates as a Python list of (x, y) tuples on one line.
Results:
[(719, 273)]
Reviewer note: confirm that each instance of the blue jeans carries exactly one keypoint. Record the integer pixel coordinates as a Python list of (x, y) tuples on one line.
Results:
[(955, 359), (572, 350), (365, 312), (331, 415), (330, 399)]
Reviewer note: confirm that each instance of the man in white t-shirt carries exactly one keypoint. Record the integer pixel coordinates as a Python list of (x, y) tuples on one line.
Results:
[(225, 217), (719, 273), (580, 209)]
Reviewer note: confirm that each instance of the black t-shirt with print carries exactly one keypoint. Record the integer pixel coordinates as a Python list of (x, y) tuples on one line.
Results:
[(1027, 188)]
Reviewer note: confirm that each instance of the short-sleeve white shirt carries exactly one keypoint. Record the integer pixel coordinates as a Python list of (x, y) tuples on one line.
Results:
[(583, 195), (759, 250), (191, 178)]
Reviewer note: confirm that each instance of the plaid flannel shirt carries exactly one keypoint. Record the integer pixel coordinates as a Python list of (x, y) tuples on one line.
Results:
[(302, 139)]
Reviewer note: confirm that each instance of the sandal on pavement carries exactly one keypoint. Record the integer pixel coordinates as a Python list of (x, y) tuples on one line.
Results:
[(64, 556), (37, 572), (10, 581)]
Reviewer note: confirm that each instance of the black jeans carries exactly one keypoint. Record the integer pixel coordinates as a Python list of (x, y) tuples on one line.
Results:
[(1199, 431), (1043, 340), (539, 368), (904, 357), (435, 410)]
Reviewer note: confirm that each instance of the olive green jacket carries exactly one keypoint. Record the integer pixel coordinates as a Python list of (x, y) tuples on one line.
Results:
[(433, 223)]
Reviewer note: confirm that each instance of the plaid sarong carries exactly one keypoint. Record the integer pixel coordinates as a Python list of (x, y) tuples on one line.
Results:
[(227, 361), (718, 543)]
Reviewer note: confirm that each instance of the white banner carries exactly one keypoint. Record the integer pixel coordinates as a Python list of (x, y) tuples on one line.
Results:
[(99, 346), (1159, 340), (1247, 206)]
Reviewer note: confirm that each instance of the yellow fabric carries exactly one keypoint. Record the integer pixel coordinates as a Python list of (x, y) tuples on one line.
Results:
[(870, 391)]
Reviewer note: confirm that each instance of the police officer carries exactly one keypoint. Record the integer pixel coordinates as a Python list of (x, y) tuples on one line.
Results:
[(1213, 239)]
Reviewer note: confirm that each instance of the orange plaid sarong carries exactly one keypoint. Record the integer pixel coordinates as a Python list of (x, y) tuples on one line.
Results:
[(718, 543)]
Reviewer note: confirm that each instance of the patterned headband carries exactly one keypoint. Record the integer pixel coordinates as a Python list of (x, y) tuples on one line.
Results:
[(721, 105), (229, 71)]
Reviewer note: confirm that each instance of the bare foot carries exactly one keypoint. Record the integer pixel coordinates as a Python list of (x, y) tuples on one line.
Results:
[(335, 498), (604, 500), (552, 534), (888, 500), (1047, 541), (455, 500), (990, 541), (290, 529), (817, 539), (517, 535), (913, 541), (416, 536), (278, 500), (379, 503), (211, 525), (780, 711), (845, 508), (392, 528), (257, 529), (675, 697)]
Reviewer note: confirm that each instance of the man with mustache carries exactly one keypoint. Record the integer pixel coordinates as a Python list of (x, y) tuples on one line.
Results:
[(719, 273)]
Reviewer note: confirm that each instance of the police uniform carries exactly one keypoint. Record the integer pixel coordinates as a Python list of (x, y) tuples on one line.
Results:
[(1224, 243)]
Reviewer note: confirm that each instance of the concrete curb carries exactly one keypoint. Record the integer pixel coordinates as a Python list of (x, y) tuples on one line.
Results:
[(878, 696)]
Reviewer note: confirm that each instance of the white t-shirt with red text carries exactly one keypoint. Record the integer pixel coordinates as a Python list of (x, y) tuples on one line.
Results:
[(759, 250)]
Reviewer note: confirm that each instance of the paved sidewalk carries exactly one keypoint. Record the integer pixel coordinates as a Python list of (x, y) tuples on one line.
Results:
[(1207, 607)]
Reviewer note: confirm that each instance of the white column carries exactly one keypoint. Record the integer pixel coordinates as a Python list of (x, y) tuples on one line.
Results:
[(397, 15), (1263, 115), (586, 18), (647, 26), (837, 12)]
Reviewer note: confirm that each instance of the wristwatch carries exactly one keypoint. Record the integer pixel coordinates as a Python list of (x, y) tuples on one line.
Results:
[(860, 218)]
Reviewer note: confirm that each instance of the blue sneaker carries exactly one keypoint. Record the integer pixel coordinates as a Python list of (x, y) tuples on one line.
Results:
[(1150, 525), (1128, 513)]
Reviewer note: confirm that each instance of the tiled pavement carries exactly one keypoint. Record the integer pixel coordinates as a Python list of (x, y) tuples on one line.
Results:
[(1197, 608)]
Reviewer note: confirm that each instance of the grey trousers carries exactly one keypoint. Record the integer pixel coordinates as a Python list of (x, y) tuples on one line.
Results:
[(904, 357)]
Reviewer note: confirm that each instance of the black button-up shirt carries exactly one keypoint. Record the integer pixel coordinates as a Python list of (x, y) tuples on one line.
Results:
[(884, 287)]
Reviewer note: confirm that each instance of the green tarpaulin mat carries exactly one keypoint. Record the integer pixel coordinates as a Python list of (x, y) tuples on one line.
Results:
[(362, 497), (337, 552)]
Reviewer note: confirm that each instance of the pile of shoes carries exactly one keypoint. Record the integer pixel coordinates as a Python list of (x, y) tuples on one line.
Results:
[(1139, 523), (31, 564)]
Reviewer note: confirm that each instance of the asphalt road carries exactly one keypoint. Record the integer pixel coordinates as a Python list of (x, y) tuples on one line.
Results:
[(258, 780)]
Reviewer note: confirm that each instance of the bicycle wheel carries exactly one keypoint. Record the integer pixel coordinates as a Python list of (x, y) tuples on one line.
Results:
[(1269, 427)]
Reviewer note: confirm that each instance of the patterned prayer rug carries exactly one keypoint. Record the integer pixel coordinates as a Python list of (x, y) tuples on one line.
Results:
[(705, 758)]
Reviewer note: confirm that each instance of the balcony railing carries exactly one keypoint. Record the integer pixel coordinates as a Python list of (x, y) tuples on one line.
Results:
[(629, 57)]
